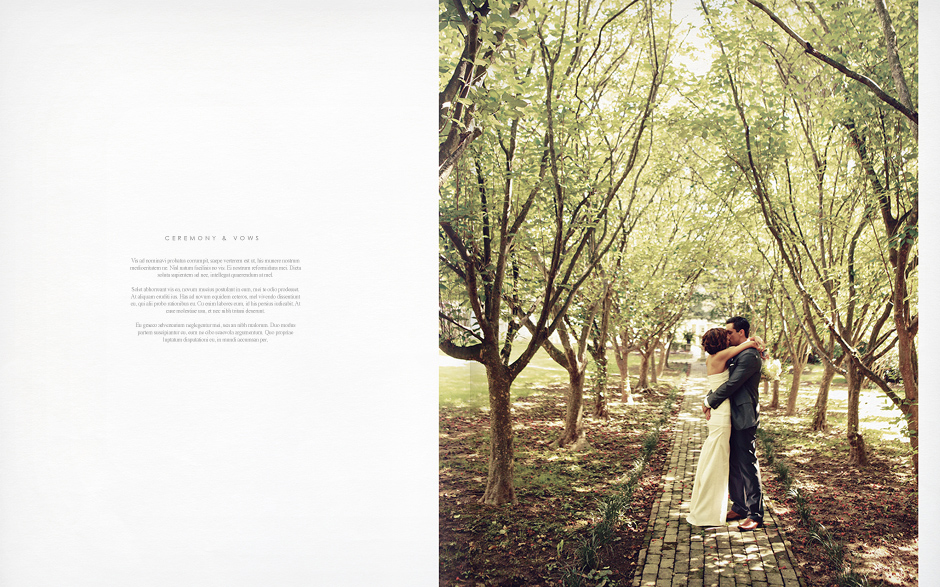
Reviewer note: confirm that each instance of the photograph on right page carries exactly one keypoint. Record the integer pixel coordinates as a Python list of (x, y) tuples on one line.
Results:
[(678, 304)]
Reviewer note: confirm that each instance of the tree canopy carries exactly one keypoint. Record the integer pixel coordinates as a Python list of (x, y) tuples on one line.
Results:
[(588, 176)]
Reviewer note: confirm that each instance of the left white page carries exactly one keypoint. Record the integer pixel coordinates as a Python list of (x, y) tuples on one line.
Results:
[(256, 152)]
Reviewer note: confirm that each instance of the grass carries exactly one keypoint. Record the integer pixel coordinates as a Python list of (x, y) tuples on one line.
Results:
[(880, 422), (462, 384)]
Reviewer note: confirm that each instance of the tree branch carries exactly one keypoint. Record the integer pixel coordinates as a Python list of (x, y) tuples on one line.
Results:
[(464, 353), (871, 85), (444, 316)]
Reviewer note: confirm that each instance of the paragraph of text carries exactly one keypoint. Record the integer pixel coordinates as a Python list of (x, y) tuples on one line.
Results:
[(217, 332), (228, 267), (215, 300)]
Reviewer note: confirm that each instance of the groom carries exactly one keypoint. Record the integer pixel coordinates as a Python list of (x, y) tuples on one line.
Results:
[(741, 391)]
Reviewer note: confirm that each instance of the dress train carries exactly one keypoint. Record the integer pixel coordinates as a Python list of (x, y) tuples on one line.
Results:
[(710, 489)]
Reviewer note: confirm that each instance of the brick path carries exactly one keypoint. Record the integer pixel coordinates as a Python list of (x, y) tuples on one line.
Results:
[(681, 554)]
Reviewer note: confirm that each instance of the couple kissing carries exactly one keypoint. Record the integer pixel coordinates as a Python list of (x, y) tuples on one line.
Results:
[(727, 464)]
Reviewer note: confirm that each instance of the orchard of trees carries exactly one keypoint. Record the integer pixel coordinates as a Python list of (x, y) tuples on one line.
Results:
[(594, 182)]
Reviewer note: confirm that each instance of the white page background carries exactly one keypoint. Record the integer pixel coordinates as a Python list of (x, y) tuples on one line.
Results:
[(128, 461), (929, 432)]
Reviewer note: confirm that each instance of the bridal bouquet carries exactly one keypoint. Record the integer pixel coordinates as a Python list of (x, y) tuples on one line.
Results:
[(770, 370)]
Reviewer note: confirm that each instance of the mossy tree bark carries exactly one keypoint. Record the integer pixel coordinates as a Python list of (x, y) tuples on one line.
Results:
[(858, 453), (822, 399), (600, 390), (600, 333)]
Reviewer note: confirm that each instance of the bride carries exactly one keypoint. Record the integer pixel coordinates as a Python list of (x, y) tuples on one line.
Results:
[(710, 489)]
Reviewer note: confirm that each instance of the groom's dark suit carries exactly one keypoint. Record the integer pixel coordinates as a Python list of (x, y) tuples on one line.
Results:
[(741, 391)]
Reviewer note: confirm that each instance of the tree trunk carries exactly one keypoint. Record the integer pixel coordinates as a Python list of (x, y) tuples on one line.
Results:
[(858, 454), (911, 411), (799, 363), (822, 400), (661, 365), (897, 72), (643, 382), (599, 352), (600, 387), (907, 364), (499, 486), (652, 367), (794, 389), (623, 364), (775, 398), (573, 435)]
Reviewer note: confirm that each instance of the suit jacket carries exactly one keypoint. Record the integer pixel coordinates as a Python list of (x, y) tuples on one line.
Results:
[(740, 389)]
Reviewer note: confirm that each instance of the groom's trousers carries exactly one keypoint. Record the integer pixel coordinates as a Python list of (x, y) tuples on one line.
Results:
[(744, 475)]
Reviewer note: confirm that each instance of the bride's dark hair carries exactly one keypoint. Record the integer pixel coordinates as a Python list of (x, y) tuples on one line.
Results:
[(715, 340)]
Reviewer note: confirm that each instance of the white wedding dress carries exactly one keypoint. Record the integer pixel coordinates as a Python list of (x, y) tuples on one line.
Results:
[(710, 489)]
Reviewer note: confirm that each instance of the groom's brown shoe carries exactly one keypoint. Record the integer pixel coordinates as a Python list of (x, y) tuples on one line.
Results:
[(733, 515), (748, 525)]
